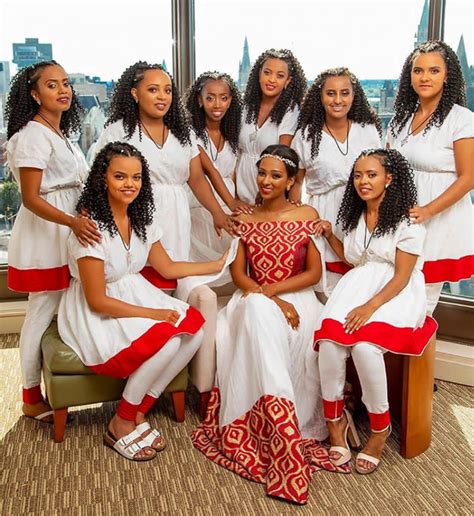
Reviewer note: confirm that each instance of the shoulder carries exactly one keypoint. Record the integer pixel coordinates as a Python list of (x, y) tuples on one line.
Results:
[(115, 129), (304, 212), (460, 115)]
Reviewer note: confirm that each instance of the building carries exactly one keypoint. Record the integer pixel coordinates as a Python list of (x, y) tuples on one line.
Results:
[(4, 76), (31, 52), (89, 86), (468, 73), (421, 34), (244, 67)]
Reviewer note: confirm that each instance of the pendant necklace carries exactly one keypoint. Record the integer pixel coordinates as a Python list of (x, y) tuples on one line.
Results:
[(66, 141), (127, 246), (409, 133), (159, 147), (253, 136), (337, 143), (214, 158), (364, 258)]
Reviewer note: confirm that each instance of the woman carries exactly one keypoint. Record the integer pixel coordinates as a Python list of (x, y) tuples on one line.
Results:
[(274, 92), (386, 307), (435, 133), (214, 104), (41, 112), (116, 321), (336, 124), (265, 412)]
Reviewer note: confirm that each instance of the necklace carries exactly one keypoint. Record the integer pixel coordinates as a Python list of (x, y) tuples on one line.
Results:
[(253, 136), (365, 254), (61, 135), (151, 138), (129, 232), (214, 159), (409, 133), (337, 143)]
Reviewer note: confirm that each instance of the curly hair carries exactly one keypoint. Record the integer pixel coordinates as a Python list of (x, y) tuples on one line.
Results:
[(230, 123), (399, 197), (290, 97), (313, 116), (123, 106), (94, 197), (20, 107), (454, 90)]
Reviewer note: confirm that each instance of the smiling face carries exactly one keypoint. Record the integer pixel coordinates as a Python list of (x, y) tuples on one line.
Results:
[(272, 179), (215, 98), (428, 73), (53, 89), (337, 96), (371, 179), (273, 77), (123, 178), (154, 94)]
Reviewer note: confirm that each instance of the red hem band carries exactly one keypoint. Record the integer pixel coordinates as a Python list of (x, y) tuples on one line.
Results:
[(338, 267), (379, 422), (406, 341), (124, 363), (146, 404), (333, 409), (127, 410), (38, 280), (453, 270), (32, 395), (156, 279)]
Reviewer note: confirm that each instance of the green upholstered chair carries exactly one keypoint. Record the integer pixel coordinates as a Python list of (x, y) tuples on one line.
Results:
[(69, 383)]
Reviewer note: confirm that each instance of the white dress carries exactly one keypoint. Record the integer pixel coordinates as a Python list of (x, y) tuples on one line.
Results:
[(399, 325), (265, 412), (37, 255), (116, 346), (326, 178), (449, 246), (205, 244), (252, 141)]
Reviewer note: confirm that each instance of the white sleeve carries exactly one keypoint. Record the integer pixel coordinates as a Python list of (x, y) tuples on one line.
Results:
[(153, 233), (194, 145), (463, 125), (298, 145), (373, 137), (289, 122), (33, 149), (77, 250), (111, 133), (411, 238)]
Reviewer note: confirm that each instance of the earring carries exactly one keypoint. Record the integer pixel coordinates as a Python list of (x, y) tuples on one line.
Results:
[(288, 188), (135, 99), (37, 100), (386, 186)]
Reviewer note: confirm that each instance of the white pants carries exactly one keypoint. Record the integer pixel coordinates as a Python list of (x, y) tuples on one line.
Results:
[(42, 307), (369, 363), (433, 291)]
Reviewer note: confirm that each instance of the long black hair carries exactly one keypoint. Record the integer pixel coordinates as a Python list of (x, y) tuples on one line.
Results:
[(289, 98), (454, 90), (21, 107), (399, 198), (230, 123), (123, 106), (94, 197), (313, 116)]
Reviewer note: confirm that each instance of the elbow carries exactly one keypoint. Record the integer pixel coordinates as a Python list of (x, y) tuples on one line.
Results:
[(98, 305)]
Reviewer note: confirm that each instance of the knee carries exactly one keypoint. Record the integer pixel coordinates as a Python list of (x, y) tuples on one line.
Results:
[(365, 351), (203, 296)]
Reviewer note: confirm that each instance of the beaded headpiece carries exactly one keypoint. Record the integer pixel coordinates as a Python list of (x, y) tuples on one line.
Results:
[(279, 158)]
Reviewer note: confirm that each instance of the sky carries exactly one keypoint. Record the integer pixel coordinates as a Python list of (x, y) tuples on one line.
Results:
[(103, 37)]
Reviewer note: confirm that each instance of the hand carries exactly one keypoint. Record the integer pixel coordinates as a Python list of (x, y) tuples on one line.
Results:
[(289, 311), (169, 316), (269, 290), (227, 223), (239, 207), (85, 230), (357, 317), (323, 228), (420, 214), (221, 261)]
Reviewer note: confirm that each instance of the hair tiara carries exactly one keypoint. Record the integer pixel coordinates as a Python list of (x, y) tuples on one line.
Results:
[(287, 161)]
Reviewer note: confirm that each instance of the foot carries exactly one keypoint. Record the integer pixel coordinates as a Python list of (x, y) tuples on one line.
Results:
[(158, 443), (374, 448), (336, 436), (119, 428), (36, 410)]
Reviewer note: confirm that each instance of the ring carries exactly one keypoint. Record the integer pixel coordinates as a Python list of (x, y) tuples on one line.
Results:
[(288, 314)]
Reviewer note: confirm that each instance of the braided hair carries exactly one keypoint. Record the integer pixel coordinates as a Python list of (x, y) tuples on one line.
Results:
[(21, 107), (454, 90), (399, 197), (289, 98), (123, 106), (230, 123), (94, 197), (313, 115)]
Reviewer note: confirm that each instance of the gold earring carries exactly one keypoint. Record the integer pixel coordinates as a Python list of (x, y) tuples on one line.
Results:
[(288, 188)]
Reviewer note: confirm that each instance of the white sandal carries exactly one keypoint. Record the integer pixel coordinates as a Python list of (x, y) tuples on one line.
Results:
[(369, 458), (128, 446), (150, 438), (351, 435)]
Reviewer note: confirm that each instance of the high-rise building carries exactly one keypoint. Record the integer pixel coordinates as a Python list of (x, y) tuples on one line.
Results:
[(31, 52), (244, 67), (468, 73), (4, 76), (422, 32)]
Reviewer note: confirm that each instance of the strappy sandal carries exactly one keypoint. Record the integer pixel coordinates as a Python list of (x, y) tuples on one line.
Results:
[(350, 435), (369, 458), (42, 417), (129, 446), (151, 437)]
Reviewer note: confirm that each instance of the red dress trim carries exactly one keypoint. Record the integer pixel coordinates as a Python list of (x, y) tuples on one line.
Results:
[(32, 395), (405, 341), (156, 279), (264, 445), (449, 269), (38, 280), (124, 363), (338, 267)]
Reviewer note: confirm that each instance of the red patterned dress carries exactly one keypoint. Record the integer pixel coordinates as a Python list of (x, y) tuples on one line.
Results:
[(264, 420)]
